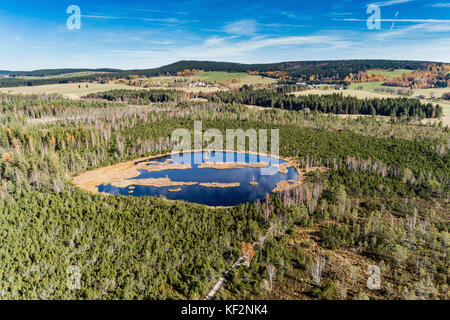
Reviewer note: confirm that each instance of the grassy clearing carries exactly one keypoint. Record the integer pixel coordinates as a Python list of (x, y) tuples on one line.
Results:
[(254, 80), (221, 78), (390, 74), (189, 89), (432, 92), (368, 94), (368, 90), (60, 76), (243, 78), (446, 118), (367, 86), (218, 76), (356, 93), (72, 90)]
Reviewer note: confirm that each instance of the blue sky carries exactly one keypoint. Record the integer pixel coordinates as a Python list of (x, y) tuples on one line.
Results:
[(144, 34)]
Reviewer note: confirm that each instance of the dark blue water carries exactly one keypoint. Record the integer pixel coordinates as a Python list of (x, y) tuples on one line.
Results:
[(267, 179)]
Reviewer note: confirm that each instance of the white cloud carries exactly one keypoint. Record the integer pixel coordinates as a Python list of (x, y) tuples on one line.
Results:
[(99, 17), (168, 20), (243, 27), (324, 46), (163, 20), (254, 50), (341, 13), (390, 3), (441, 5), (289, 14), (399, 20), (164, 11), (238, 41)]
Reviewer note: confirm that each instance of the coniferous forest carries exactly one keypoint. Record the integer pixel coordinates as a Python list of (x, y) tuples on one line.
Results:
[(225, 159), (331, 103), (382, 199)]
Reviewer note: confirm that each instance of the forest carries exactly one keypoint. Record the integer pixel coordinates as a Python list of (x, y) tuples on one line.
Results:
[(329, 103), (384, 200), (323, 70), (139, 96)]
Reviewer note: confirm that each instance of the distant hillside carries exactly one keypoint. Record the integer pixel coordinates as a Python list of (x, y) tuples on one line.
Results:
[(297, 67), (320, 71), (6, 72), (55, 72)]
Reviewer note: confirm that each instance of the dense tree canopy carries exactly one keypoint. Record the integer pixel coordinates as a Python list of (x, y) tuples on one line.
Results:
[(381, 200), (330, 103)]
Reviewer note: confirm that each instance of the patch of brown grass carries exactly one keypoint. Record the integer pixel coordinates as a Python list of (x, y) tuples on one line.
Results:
[(220, 185)]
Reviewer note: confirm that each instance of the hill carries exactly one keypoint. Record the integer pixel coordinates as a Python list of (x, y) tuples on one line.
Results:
[(319, 71)]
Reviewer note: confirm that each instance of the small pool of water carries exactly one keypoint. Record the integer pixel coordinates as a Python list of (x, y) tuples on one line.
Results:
[(266, 179)]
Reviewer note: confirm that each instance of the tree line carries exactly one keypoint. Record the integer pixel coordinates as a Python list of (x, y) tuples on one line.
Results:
[(139, 96), (330, 71), (330, 103)]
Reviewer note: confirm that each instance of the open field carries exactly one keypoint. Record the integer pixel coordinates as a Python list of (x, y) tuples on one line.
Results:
[(432, 92), (427, 93), (60, 76), (368, 94), (367, 86), (390, 74), (172, 83), (219, 76), (356, 93), (241, 78), (186, 89), (372, 86), (221, 81), (70, 90), (446, 118), (255, 80)]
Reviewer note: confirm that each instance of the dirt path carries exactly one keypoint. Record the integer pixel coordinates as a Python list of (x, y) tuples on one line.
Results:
[(236, 264), (222, 278)]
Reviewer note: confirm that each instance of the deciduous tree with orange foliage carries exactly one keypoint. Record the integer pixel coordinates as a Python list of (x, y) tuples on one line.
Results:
[(247, 251)]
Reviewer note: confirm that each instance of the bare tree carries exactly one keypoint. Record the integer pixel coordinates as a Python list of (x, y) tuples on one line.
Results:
[(316, 269), (352, 273), (271, 273), (267, 210)]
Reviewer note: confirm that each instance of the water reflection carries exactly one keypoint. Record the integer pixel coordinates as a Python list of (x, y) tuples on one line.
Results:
[(246, 192)]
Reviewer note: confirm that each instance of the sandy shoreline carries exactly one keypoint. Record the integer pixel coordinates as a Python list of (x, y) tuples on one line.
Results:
[(159, 183), (283, 167), (166, 182), (116, 174), (219, 185), (231, 165), (286, 185)]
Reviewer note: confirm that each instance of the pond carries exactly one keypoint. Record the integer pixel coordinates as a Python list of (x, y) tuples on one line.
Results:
[(238, 180)]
